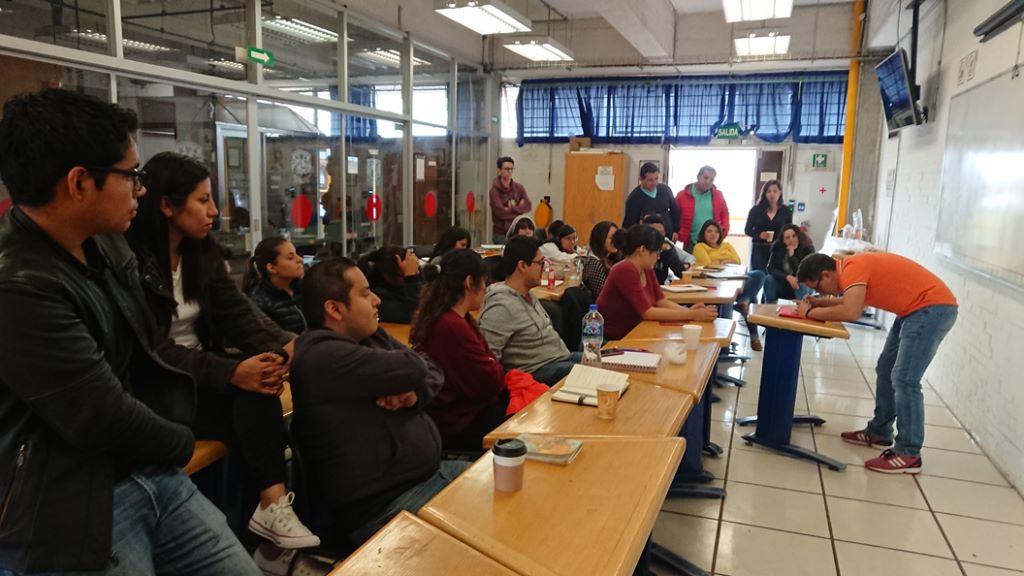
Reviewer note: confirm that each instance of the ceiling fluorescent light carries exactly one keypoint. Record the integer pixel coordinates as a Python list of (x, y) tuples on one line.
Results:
[(300, 30), (741, 10), (485, 17), (100, 38), (770, 45), (539, 49), (388, 57)]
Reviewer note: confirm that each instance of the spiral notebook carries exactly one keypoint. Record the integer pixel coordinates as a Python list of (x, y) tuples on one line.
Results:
[(632, 361), (682, 288)]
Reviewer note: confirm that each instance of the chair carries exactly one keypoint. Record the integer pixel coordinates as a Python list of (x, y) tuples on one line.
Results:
[(575, 304)]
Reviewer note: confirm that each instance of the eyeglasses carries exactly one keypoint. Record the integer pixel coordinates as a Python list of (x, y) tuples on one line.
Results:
[(542, 261), (134, 174)]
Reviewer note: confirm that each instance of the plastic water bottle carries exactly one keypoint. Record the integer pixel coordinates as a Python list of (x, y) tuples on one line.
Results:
[(593, 336)]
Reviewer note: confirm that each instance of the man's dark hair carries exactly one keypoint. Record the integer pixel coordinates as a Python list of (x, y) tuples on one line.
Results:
[(503, 159), (653, 219), (519, 249), (647, 168), (45, 134), (811, 267), (643, 236), (325, 281)]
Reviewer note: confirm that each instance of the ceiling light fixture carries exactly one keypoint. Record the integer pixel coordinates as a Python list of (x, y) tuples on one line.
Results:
[(100, 38), (741, 10), (485, 17), (300, 30), (539, 49), (771, 45), (388, 57)]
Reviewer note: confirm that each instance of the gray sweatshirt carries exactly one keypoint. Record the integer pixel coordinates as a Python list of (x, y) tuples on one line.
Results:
[(519, 331)]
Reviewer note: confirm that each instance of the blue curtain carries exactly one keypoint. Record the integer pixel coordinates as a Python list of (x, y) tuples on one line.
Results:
[(822, 113), (358, 127), (699, 108), (767, 108), (638, 113)]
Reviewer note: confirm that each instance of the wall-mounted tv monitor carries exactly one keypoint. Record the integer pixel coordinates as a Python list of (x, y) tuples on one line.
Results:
[(894, 82)]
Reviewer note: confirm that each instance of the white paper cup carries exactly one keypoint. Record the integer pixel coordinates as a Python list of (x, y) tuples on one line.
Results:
[(607, 401), (691, 335)]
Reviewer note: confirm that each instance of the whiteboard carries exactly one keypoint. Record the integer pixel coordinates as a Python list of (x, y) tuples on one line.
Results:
[(981, 214)]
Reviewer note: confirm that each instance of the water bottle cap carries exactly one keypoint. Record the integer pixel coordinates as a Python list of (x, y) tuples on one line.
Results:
[(593, 307)]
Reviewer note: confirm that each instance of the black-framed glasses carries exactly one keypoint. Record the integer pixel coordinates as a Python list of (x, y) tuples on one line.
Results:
[(134, 174), (542, 261)]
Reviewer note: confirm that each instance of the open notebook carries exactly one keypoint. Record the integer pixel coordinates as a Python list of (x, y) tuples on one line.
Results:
[(634, 361), (681, 288), (581, 385), (791, 312)]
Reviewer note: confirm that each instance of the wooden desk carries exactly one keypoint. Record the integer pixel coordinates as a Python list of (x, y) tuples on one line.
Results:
[(554, 294), (780, 372), (399, 332), (721, 331), (408, 546), (690, 378), (719, 292), (207, 452), (591, 517), (644, 410)]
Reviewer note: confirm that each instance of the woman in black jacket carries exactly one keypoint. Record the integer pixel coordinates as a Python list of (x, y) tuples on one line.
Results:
[(394, 276), (786, 255), (273, 280), (198, 310), (765, 221)]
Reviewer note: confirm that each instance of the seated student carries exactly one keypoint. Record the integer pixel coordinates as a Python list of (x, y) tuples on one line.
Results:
[(672, 258), (545, 234), (712, 250), (95, 426), (394, 275), (474, 398), (786, 254), (516, 327), (561, 248), (451, 239), (200, 312), (606, 242), (273, 281), (370, 448), (632, 293), (522, 226)]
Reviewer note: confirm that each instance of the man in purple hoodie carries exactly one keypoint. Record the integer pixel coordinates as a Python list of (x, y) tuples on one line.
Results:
[(508, 199)]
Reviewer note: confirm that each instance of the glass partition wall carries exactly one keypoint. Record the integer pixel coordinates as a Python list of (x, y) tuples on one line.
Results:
[(312, 145)]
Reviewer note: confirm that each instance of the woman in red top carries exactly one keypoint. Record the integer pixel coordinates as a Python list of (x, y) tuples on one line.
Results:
[(474, 398), (631, 293)]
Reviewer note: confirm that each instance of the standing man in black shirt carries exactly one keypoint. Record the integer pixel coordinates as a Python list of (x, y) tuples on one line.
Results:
[(652, 197)]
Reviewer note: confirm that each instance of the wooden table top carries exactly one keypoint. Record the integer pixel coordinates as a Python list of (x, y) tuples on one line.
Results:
[(691, 377), (207, 452), (408, 546), (721, 330), (768, 315), (719, 292), (399, 332), (591, 517), (643, 411), (553, 294)]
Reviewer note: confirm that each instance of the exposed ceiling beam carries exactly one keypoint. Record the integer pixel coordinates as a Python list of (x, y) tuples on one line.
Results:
[(649, 25)]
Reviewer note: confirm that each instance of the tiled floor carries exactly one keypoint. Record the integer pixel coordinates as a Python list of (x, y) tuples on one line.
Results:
[(790, 517)]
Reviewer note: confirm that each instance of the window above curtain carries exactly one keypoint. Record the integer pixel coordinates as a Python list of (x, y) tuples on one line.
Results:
[(809, 107)]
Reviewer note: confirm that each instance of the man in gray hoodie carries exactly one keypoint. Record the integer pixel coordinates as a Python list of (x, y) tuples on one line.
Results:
[(517, 328)]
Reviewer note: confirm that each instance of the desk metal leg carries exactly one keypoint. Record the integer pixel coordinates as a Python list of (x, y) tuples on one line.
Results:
[(709, 448), (802, 419), (691, 476), (779, 376), (675, 562)]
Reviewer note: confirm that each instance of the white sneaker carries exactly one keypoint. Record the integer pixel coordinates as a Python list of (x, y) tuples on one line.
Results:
[(273, 561), (279, 524)]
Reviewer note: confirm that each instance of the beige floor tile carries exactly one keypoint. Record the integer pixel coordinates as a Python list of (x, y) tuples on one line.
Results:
[(979, 570), (861, 560), (776, 508), (690, 537), (833, 359), (771, 470), (833, 372), (703, 507), (842, 405), (940, 416), (960, 466), (728, 394), (722, 412), (949, 439), (718, 465), (982, 501), (836, 424), (834, 447), (854, 388), (931, 397), (750, 551), (801, 436), (888, 526), (859, 483), (985, 542)]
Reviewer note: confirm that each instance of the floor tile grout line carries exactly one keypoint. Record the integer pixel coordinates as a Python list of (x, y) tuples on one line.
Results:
[(824, 496), (937, 557), (725, 478), (942, 530)]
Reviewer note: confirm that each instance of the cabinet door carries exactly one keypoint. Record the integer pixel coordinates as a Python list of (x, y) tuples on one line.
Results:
[(585, 202)]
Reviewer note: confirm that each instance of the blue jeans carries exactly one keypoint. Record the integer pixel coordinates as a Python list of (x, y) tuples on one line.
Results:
[(414, 498), (552, 372), (755, 280), (773, 290), (164, 525), (908, 351)]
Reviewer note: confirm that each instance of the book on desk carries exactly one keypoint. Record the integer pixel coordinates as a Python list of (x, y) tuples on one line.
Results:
[(580, 386), (551, 449), (631, 361), (683, 288), (792, 312)]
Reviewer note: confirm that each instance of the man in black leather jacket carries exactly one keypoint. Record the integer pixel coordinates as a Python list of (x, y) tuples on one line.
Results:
[(93, 425)]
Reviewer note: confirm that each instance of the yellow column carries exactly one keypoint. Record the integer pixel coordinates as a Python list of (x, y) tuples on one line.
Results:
[(851, 113)]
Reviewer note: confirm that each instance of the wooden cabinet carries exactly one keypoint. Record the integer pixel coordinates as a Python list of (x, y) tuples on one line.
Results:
[(585, 202)]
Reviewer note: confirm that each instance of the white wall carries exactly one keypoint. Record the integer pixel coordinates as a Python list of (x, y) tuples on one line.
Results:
[(978, 368)]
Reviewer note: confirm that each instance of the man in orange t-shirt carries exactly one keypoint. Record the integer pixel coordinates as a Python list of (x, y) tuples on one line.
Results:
[(926, 310)]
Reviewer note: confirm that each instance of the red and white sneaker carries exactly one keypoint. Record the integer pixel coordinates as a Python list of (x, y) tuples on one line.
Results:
[(863, 438), (892, 463)]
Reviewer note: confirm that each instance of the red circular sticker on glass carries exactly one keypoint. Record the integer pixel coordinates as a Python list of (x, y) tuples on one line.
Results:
[(302, 212), (430, 204), (470, 202), (373, 207)]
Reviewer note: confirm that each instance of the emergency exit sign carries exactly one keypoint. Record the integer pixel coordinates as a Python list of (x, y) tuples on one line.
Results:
[(819, 161)]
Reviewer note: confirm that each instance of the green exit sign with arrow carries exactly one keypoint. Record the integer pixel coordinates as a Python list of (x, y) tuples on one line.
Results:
[(260, 56)]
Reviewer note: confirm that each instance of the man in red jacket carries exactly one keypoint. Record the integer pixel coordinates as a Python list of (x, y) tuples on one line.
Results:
[(508, 199), (698, 203)]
